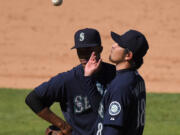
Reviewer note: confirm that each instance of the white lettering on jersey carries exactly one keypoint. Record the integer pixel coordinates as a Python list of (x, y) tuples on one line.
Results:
[(101, 110), (141, 113), (86, 103), (81, 104), (100, 87)]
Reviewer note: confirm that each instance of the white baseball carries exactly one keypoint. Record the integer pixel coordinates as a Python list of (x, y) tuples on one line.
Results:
[(57, 2)]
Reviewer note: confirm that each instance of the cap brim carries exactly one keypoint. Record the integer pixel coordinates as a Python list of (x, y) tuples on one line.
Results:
[(117, 38), (85, 46)]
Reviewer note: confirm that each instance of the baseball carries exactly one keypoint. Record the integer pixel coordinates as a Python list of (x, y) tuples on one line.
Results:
[(57, 2)]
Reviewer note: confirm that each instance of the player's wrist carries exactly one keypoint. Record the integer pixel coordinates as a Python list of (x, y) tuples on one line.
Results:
[(86, 74), (90, 72), (61, 124), (65, 128)]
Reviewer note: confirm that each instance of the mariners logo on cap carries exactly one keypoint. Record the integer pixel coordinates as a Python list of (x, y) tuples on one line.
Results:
[(114, 108), (81, 36)]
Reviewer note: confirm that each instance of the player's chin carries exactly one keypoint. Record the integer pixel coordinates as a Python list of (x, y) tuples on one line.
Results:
[(111, 59)]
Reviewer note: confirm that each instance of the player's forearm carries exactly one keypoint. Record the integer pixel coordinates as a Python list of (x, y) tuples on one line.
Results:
[(51, 117), (39, 106)]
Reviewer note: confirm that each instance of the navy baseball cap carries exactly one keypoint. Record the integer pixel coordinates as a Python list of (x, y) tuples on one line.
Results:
[(87, 37), (134, 41)]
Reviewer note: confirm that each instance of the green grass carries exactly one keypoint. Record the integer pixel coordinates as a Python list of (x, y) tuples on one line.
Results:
[(15, 116), (162, 114)]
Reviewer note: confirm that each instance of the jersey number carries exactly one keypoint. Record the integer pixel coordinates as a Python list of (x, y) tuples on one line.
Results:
[(141, 113), (100, 128)]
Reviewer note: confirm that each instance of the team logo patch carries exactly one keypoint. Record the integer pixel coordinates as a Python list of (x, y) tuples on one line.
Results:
[(81, 36), (114, 108)]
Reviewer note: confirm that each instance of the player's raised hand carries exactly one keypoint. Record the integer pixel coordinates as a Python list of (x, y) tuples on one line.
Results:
[(92, 66)]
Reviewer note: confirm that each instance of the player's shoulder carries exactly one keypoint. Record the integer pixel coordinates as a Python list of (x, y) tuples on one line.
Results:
[(70, 74), (123, 85), (126, 75), (124, 80), (77, 71), (131, 74), (138, 76)]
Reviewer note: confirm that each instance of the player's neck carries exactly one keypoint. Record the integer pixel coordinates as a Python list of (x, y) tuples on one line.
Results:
[(124, 65)]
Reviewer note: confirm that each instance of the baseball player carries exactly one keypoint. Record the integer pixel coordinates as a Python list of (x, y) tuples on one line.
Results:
[(122, 110), (68, 88)]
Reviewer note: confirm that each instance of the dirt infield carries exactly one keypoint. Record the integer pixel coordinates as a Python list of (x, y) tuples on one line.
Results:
[(36, 37)]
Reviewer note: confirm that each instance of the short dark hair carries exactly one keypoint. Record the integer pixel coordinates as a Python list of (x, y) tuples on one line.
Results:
[(135, 63)]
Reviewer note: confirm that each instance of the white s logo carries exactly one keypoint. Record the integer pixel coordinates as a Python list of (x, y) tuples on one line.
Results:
[(81, 36)]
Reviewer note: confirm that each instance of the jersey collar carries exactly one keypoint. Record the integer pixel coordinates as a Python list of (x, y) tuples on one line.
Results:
[(124, 70)]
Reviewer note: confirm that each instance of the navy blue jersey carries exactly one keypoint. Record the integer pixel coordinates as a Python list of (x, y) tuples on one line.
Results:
[(123, 105), (69, 90)]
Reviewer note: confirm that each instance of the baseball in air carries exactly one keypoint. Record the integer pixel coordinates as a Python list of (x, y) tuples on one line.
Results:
[(57, 2)]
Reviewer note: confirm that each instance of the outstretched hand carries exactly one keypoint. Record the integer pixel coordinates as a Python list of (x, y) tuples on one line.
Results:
[(92, 66)]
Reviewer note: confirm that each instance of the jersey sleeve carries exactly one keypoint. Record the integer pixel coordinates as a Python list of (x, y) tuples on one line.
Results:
[(53, 90), (112, 130), (116, 106)]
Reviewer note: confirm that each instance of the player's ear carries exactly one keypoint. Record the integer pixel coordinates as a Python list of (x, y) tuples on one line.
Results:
[(129, 56)]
